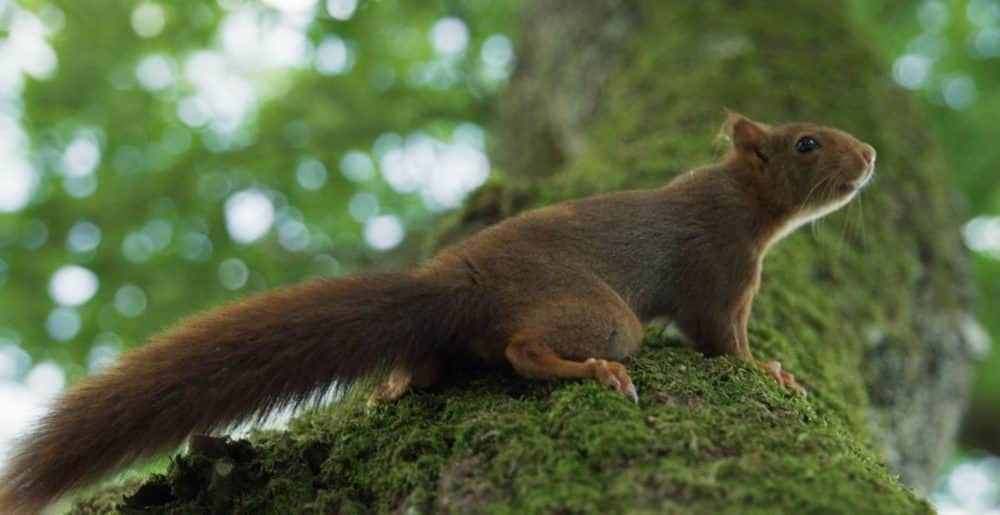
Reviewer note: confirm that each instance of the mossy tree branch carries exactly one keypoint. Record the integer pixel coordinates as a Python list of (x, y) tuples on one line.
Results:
[(870, 310)]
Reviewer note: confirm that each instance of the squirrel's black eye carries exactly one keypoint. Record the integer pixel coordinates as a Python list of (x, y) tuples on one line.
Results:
[(806, 144)]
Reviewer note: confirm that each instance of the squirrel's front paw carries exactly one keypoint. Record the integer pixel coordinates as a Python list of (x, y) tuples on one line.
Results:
[(783, 377)]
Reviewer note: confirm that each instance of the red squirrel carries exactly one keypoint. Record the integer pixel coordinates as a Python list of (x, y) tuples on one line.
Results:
[(559, 292)]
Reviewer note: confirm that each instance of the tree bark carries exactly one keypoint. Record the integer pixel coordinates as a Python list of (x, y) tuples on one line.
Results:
[(870, 310)]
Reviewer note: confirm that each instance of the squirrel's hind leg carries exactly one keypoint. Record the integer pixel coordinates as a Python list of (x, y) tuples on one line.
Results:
[(539, 362), (402, 378), (577, 334)]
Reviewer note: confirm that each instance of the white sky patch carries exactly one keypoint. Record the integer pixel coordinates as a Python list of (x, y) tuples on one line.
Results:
[(292, 6), (442, 173), (285, 46), (449, 36), (223, 97), (460, 169), (249, 215), (341, 9), (972, 487), (334, 56), (384, 232), (72, 285), (23, 403), (254, 40), (982, 234), (17, 177), (46, 380), (17, 182), (25, 51), (22, 406)]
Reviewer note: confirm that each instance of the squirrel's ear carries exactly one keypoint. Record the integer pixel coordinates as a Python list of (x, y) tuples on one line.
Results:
[(747, 136)]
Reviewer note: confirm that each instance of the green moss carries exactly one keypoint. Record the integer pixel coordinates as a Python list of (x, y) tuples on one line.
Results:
[(495, 443)]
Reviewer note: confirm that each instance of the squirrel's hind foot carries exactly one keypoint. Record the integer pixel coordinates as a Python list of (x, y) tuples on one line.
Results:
[(614, 375), (398, 384), (783, 377)]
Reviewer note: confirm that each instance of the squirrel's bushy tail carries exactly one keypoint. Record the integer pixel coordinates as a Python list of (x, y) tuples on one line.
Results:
[(224, 366)]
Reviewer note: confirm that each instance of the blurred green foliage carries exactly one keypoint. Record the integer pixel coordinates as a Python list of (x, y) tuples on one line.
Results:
[(329, 115), (186, 116)]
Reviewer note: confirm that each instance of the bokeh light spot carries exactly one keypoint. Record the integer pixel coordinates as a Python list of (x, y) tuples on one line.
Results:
[(155, 72), (334, 56), (449, 36), (63, 323), (249, 215), (293, 235), (148, 19), (160, 232), (357, 166), (130, 300), (17, 180), (233, 273), (195, 246), (292, 6), (83, 237), (341, 9), (384, 232), (80, 187), (99, 358), (73, 285), (324, 265), (958, 91), (310, 173), (14, 361), (36, 233), (497, 51), (46, 379), (912, 70), (363, 206), (137, 247), (81, 156)]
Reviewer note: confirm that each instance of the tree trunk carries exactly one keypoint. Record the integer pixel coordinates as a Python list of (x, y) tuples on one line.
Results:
[(870, 310)]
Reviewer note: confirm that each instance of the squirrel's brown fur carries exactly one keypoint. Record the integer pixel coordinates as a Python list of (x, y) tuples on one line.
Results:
[(557, 292)]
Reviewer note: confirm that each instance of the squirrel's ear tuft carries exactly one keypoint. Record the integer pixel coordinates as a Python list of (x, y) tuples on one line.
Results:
[(747, 136)]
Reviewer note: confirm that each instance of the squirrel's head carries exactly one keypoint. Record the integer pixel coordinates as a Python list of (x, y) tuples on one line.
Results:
[(808, 169)]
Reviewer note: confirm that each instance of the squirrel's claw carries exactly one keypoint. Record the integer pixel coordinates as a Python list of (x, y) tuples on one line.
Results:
[(783, 377), (614, 375)]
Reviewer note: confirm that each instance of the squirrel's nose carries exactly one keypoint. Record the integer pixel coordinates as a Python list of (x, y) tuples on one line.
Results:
[(868, 152)]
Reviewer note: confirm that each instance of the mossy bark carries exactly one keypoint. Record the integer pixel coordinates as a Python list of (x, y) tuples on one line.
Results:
[(870, 309)]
